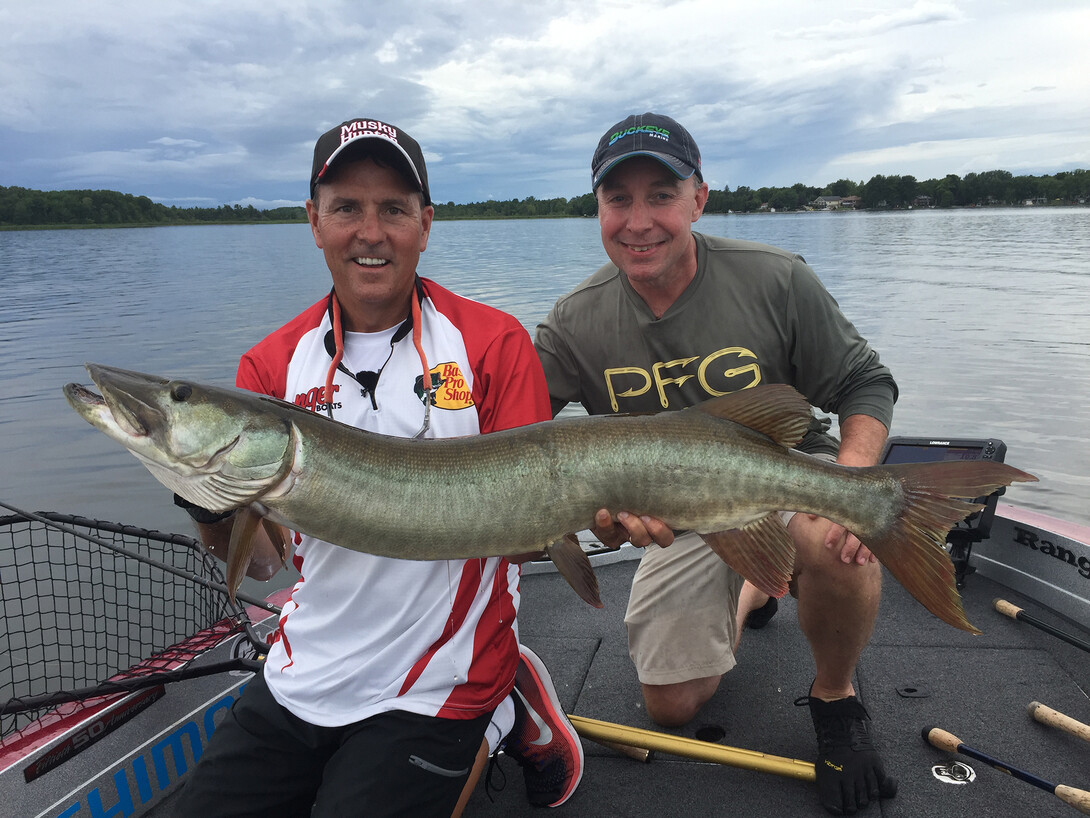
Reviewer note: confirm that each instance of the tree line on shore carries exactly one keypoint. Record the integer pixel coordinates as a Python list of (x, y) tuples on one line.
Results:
[(23, 207), (88, 208)]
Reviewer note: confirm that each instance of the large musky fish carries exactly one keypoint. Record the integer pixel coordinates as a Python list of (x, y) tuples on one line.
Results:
[(723, 468)]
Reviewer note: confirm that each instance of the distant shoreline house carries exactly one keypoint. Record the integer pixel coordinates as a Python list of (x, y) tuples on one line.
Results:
[(836, 203)]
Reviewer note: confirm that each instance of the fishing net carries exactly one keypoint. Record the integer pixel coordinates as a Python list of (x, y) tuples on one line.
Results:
[(80, 619)]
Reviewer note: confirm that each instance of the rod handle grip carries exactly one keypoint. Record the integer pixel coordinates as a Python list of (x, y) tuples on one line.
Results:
[(937, 737), (1007, 608), (1054, 718), (1079, 799)]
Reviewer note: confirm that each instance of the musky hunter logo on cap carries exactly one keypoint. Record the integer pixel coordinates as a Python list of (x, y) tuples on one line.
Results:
[(367, 127)]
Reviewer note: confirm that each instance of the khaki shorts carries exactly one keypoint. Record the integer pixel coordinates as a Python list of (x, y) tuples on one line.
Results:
[(682, 611)]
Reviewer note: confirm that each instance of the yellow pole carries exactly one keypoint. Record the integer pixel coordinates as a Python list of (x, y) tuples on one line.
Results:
[(692, 748)]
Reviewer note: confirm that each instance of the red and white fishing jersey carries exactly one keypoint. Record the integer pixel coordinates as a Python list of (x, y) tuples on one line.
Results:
[(363, 634)]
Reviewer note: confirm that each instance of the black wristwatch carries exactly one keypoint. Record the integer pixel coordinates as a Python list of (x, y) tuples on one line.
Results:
[(202, 515)]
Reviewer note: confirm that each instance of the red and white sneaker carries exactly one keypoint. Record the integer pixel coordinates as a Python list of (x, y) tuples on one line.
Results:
[(543, 741)]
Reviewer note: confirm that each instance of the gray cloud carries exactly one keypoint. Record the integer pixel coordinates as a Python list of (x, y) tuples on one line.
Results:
[(221, 103)]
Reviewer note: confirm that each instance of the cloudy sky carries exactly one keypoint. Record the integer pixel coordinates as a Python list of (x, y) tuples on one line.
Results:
[(207, 103)]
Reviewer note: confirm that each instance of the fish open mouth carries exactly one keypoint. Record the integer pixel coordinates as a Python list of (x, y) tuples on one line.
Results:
[(81, 394), (101, 411)]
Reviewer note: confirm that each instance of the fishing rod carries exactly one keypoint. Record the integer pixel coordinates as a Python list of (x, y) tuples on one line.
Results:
[(937, 737), (1014, 612), (170, 569)]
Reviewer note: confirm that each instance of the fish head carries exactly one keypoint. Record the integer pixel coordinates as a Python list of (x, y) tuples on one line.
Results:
[(213, 446)]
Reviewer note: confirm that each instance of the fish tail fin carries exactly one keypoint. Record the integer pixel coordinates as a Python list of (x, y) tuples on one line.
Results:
[(573, 564), (913, 548)]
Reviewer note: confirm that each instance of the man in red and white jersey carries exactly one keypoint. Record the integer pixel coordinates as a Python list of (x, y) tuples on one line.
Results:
[(388, 681)]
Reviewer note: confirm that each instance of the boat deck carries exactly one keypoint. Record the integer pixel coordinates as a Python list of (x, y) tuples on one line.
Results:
[(916, 672)]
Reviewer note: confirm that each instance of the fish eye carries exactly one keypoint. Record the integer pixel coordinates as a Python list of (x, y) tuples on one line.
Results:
[(180, 392)]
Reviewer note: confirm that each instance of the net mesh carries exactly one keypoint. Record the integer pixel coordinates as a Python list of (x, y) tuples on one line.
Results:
[(76, 614)]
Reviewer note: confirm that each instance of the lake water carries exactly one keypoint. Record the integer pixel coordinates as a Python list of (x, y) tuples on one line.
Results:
[(983, 316)]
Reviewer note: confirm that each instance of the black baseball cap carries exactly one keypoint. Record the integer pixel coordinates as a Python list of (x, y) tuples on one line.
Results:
[(654, 135), (331, 144)]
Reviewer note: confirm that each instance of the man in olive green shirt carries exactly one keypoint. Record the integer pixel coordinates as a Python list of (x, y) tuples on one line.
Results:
[(676, 318)]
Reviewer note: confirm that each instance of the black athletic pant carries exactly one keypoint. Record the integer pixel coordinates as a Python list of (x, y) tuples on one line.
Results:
[(263, 761)]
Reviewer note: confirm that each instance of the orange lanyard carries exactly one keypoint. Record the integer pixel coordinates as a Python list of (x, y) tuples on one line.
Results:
[(338, 339)]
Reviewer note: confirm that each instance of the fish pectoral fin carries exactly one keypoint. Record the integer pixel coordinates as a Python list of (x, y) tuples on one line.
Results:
[(775, 409), (279, 541), (241, 549), (761, 551), (574, 565)]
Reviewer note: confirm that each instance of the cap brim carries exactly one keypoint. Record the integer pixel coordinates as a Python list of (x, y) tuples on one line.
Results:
[(680, 169), (379, 138)]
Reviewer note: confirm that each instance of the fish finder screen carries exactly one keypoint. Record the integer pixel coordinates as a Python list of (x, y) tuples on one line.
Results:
[(920, 453)]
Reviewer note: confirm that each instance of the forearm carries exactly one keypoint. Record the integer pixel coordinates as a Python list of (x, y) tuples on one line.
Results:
[(862, 439)]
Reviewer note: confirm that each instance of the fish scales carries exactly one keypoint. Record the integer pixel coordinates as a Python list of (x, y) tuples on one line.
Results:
[(450, 499)]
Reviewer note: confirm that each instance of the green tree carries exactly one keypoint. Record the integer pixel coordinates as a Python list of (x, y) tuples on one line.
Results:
[(907, 190), (879, 192), (841, 188)]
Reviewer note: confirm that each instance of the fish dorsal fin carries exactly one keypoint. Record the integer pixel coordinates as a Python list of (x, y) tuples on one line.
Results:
[(776, 410), (761, 551)]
